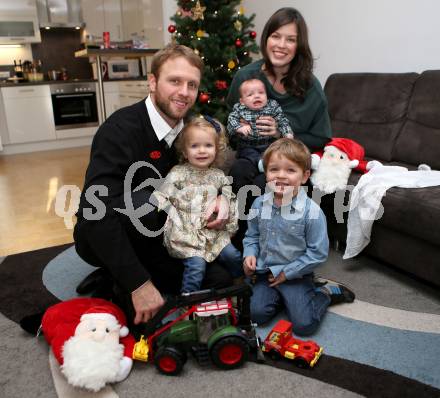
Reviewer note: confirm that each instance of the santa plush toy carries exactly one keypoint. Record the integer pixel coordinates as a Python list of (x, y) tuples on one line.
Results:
[(90, 340), (332, 166)]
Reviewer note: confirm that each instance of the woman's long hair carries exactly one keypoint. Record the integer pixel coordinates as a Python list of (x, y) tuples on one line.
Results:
[(299, 76)]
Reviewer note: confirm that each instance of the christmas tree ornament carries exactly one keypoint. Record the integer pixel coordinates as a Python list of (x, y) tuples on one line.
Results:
[(179, 13), (203, 98), (172, 28), (221, 84), (238, 25), (198, 11), (252, 34), (231, 64), (200, 33), (238, 43)]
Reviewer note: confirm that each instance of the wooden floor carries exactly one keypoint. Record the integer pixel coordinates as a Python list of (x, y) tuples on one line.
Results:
[(28, 187)]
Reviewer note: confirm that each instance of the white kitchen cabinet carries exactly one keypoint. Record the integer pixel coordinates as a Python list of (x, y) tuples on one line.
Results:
[(112, 100), (103, 16), (29, 115), (143, 19), (132, 91), (123, 93)]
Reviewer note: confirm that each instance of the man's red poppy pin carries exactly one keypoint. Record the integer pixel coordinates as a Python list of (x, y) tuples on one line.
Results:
[(155, 154)]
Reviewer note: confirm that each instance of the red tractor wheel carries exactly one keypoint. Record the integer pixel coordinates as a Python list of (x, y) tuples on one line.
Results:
[(230, 352), (169, 360)]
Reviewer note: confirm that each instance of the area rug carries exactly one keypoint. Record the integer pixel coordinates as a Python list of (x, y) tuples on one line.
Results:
[(385, 344)]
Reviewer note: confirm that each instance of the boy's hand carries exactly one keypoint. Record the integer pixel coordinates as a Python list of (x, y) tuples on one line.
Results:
[(278, 280), (245, 129), (249, 265)]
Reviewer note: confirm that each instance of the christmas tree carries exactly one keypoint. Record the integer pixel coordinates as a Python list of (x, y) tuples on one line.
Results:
[(222, 35)]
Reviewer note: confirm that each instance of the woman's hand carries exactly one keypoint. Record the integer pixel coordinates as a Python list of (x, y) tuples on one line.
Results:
[(267, 126)]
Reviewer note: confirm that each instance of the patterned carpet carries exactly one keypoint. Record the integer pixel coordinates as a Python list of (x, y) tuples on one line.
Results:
[(385, 344)]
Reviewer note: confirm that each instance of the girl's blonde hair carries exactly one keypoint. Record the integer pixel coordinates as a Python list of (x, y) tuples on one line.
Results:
[(215, 127)]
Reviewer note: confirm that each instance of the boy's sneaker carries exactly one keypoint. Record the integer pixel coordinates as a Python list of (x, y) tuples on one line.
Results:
[(338, 292)]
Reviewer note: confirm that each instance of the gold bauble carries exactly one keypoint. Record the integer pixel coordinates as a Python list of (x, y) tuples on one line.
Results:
[(231, 64)]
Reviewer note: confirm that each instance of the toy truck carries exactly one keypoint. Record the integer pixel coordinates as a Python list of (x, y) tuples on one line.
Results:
[(213, 331), (280, 343)]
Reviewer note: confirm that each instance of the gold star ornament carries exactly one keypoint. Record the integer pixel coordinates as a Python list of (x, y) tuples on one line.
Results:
[(198, 11)]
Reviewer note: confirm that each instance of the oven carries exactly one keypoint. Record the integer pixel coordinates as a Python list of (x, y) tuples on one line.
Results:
[(74, 105)]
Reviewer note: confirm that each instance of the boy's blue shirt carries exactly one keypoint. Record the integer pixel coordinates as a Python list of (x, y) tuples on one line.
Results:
[(291, 238)]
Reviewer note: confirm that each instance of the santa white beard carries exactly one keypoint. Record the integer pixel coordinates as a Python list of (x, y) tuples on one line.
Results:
[(330, 176), (89, 364)]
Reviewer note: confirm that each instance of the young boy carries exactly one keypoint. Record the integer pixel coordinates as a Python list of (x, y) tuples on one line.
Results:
[(286, 241), (241, 126)]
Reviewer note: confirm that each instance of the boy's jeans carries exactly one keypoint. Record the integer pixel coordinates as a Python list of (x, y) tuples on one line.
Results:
[(195, 268), (304, 305)]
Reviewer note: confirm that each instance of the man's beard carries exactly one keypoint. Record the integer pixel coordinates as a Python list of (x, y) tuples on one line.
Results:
[(165, 108), (89, 364)]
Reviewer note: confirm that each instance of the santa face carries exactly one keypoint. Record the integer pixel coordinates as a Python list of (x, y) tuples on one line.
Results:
[(97, 330), (285, 177)]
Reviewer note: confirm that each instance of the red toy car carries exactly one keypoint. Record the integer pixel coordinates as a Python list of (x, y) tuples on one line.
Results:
[(280, 343)]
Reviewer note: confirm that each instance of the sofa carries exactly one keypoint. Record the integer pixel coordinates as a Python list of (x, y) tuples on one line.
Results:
[(396, 117)]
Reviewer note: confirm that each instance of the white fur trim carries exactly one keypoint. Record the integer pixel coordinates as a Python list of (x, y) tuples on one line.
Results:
[(315, 161), (124, 331), (353, 163), (101, 316), (125, 366)]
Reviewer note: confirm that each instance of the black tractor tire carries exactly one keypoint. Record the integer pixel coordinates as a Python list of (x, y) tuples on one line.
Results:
[(230, 352), (169, 360)]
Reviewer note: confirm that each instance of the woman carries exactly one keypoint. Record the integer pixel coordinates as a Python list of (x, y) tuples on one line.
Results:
[(286, 70)]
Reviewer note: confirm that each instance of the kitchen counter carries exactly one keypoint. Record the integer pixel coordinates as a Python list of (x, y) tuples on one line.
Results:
[(6, 84)]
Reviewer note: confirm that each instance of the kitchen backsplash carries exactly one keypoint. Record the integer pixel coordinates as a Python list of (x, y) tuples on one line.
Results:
[(57, 49)]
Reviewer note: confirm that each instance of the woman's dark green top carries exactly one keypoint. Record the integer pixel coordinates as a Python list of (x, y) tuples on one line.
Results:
[(308, 118)]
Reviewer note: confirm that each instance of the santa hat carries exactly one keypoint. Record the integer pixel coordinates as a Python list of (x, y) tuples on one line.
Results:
[(113, 315), (353, 150)]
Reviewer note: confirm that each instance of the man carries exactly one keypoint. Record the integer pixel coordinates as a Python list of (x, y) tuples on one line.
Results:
[(145, 131)]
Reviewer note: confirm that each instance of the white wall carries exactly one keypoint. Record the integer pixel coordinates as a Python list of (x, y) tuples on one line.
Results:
[(364, 35)]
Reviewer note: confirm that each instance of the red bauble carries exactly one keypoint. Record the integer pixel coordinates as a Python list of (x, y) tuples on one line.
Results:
[(203, 98), (252, 34), (221, 85), (172, 28), (238, 43)]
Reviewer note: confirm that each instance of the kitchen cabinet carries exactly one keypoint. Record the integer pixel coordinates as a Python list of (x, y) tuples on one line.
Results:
[(103, 16), (131, 92), (123, 93), (29, 115), (143, 19)]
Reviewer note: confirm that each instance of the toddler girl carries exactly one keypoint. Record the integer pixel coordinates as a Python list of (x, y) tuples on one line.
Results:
[(188, 193)]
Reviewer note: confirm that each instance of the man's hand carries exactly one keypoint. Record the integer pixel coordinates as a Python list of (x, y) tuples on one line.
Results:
[(249, 265), (146, 302), (278, 280), (245, 129), (219, 206), (267, 126)]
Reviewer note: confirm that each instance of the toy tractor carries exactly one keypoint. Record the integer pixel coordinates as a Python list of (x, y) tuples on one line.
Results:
[(207, 325)]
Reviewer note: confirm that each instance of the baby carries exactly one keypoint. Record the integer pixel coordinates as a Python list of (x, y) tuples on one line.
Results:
[(242, 128)]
